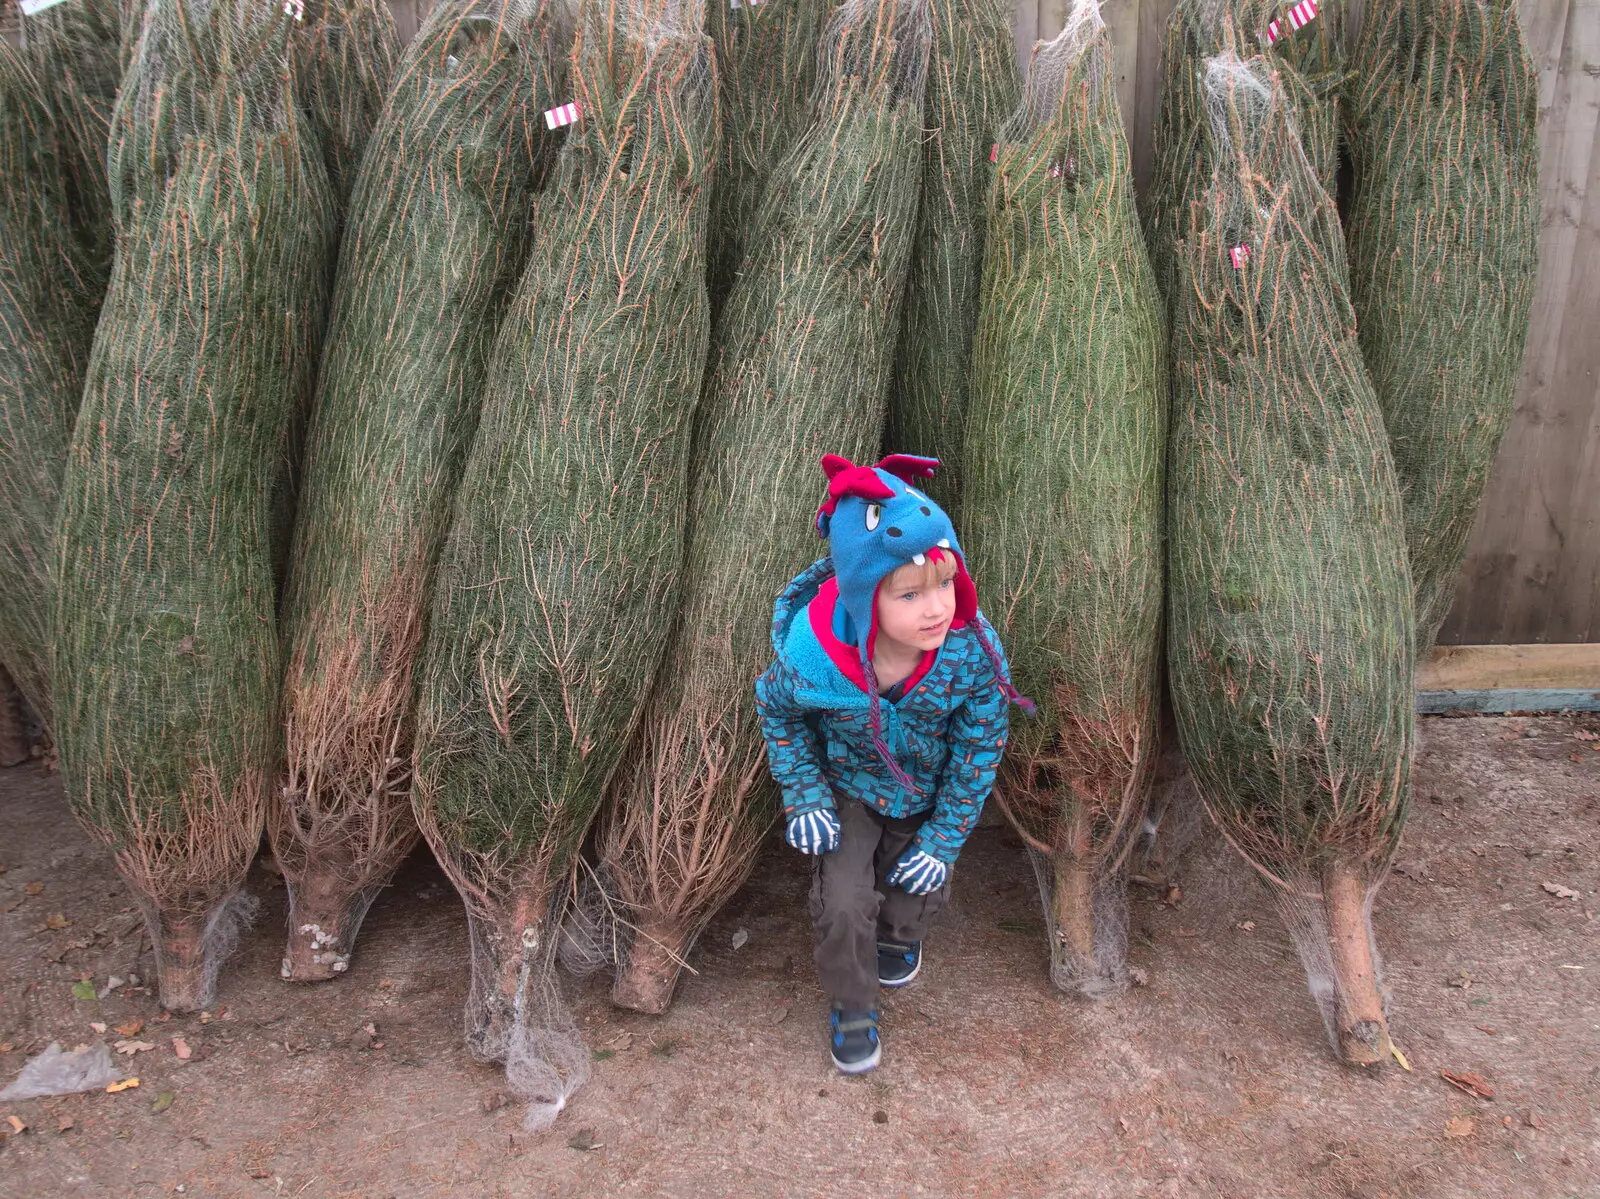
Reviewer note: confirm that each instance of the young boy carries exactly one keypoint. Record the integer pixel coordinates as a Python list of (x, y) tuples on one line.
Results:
[(885, 715)]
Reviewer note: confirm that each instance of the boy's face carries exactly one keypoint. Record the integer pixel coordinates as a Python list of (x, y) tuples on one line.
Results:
[(915, 608)]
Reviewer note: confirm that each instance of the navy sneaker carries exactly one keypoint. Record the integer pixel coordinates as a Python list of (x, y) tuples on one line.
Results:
[(855, 1040), (898, 962)]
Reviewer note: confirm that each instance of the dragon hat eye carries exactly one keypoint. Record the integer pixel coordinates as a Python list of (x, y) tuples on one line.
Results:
[(874, 515)]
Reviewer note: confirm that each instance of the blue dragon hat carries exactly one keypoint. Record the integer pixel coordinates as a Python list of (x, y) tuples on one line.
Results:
[(877, 521)]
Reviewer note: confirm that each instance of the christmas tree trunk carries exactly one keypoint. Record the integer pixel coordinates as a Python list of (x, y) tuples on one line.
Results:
[(1065, 452), (166, 661), (438, 234), (1291, 619), (556, 585), (799, 369)]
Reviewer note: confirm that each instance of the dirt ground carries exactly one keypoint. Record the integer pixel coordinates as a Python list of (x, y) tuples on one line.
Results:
[(1213, 1079)]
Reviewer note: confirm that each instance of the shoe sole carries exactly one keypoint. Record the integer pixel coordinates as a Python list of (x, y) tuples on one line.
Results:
[(861, 1067), (900, 982)]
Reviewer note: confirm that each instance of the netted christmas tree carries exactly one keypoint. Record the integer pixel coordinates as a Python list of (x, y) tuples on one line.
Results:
[(1305, 42), (556, 586), (972, 89), (55, 256), (438, 234), (1444, 251), (345, 56), (1290, 634), (799, 369), (766, 62), (166, 657), (1063, 506)]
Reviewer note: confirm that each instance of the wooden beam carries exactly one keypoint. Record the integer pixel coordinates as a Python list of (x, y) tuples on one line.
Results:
[(1511, 667)]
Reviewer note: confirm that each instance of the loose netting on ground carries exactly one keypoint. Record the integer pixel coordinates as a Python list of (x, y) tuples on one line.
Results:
[(166, 658), (556, 586), (1444, 251), (1290, 601), (1064, 499), (55, 256), (766, 62), (344, 60), (799, 369), (438, 235), (972, 88), (1310, 57)]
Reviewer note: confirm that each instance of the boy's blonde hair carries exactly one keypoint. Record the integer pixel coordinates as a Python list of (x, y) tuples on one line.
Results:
[(911, 577)]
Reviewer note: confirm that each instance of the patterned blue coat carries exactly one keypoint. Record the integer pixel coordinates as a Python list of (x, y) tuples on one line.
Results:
[(947, 731)]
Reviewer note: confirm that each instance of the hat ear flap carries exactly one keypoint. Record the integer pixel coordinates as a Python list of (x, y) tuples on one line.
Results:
[(824, 521), (908, 468)]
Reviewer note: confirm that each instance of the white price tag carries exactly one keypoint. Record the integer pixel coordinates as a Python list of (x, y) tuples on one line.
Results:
[(31, 8)]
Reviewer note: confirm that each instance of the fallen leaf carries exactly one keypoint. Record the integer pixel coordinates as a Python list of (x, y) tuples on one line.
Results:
[(880, 1116), (740, 937), (16, 1124), (163, 1102), (83, 990), (783, 1014), (205, 1017), (181, 1048), (122, 1086), (1473, 1084), (1460, 1126), (1461, 981), (1411, 870), (1533, 1119), (63, 1123), (1581, 735), (584, 1139), (493, 1101), (1248, 926), (1485, 1029), (1559, 891), (132, 1047), (57, 921), (97, 1026), (33, 888), (131, 1028), (1173, 895), (6, 1046)]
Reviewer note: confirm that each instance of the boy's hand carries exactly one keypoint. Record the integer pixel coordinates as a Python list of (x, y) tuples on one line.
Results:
[(813, 832), (917, 873)]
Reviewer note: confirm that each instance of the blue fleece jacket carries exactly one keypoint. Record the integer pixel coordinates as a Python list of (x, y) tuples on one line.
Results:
[(947, 731)]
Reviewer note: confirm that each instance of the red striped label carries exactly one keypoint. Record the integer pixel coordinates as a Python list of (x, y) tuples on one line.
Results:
[(563, 114), (1239, 255), (1302, 14)]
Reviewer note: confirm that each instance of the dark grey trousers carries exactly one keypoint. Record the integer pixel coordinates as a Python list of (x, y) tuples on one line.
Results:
[(851, 908)]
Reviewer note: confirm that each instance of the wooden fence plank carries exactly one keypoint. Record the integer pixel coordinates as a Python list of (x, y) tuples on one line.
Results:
[(1491, 667)]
